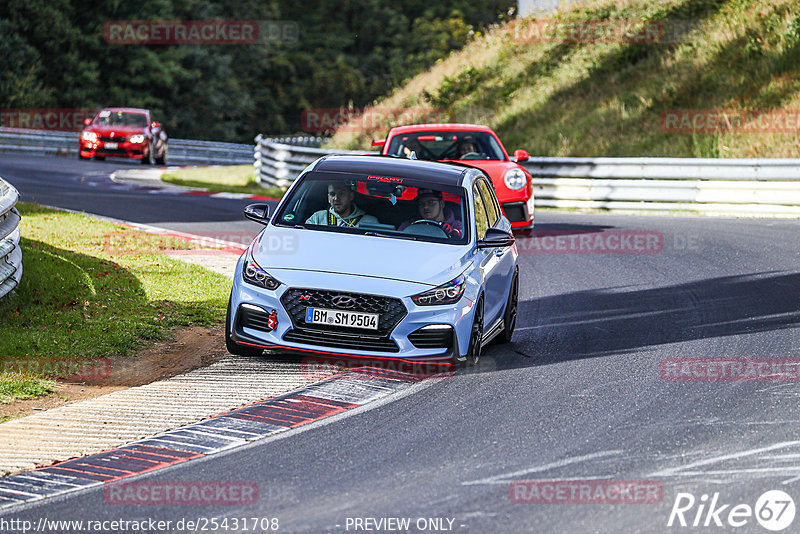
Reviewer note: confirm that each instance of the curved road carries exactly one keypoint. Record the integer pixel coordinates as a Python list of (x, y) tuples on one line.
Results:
[(577, 395)]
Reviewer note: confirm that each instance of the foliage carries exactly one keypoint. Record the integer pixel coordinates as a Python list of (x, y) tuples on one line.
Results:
[(53, 55)]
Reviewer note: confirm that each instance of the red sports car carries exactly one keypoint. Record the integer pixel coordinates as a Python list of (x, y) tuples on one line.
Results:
[(124, 133), (477, 146)]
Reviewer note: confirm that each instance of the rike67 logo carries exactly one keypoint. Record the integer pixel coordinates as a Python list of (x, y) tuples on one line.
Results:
[(774, 510)]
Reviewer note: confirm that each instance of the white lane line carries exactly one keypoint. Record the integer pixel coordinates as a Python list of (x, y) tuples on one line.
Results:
[(682, 470), (499, 479)]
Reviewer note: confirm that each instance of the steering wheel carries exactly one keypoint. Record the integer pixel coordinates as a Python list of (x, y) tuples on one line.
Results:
[(425, 223), (471, 155)]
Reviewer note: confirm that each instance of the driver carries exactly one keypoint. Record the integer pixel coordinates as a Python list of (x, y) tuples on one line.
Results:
[(432, 208), (342, 210), (466, 147), (412, 149)]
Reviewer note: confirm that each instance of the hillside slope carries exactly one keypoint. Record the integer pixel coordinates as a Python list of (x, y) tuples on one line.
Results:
[(717, 65)]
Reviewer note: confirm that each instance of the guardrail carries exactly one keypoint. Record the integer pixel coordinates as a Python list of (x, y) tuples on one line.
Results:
[(181, 151), (10, 251), (715, 186), (278, 164)]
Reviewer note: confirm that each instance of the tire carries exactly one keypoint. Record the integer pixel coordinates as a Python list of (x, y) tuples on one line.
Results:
[(100, 158), (231, 345), (476, 337), (510, 315), (163, 159)]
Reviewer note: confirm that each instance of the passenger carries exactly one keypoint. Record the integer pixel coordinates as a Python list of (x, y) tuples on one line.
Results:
[(432, 208), (342, 210)]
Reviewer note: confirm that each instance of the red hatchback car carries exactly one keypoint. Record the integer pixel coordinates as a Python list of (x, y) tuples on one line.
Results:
[(477, 146), (124, 133)]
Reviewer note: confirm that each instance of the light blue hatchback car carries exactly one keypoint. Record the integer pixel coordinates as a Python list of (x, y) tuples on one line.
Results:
[(378, 258)]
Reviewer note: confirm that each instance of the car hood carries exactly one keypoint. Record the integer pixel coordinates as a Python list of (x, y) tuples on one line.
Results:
[(105, 130), (418, 262)]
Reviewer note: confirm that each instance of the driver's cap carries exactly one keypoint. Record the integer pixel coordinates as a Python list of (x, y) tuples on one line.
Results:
[(429, 193)]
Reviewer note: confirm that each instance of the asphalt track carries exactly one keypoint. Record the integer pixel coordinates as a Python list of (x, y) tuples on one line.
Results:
[(577, 395)]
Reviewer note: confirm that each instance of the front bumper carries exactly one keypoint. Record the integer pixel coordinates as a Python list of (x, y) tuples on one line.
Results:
[(90, 149), (408, 339)]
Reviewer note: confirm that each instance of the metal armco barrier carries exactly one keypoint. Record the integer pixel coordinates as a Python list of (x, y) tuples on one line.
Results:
[(278, 164), (768, 187), (10, 252), (181, 151)]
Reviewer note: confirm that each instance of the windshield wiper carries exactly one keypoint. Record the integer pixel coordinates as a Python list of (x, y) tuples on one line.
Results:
[(397, 236)]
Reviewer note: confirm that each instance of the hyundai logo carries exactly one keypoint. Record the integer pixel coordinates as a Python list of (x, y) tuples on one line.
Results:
[(343, 301)]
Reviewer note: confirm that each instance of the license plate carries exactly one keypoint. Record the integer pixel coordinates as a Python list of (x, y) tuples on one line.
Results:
[(349, 319), (111, 146)]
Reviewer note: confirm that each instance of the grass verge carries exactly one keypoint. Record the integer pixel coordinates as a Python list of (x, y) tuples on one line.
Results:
[(93, 290), (222, 179), (17, 386)]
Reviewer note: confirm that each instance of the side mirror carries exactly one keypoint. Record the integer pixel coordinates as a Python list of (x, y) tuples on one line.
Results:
[(257, 213), (521, 155), (155, 124), (379, 142), (87, 121), (496, 238)]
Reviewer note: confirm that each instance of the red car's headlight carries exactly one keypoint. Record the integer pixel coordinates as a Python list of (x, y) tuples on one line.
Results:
[(515, 179), (89, 136)]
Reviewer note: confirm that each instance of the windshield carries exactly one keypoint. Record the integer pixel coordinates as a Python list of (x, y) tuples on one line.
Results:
[(447, 145), (387, 206), (120, 118)]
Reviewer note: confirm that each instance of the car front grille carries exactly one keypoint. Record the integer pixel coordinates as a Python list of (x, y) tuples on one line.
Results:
[(427, 337), (112, 139), (391, 311)]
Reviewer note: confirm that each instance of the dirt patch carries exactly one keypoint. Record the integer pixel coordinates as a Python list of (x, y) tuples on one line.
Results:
[(192, 347)]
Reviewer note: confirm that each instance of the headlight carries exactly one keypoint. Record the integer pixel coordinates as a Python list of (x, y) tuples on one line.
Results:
[(448, 293), (515, 179), (254, 274), (89, 136), (138, 138)]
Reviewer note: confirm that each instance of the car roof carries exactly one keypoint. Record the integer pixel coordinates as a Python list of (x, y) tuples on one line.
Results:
[(128, 110), (430, 171), (446, 126)]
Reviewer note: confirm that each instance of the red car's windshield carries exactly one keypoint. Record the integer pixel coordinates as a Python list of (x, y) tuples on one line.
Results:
[(120, 118), (453, 145)]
